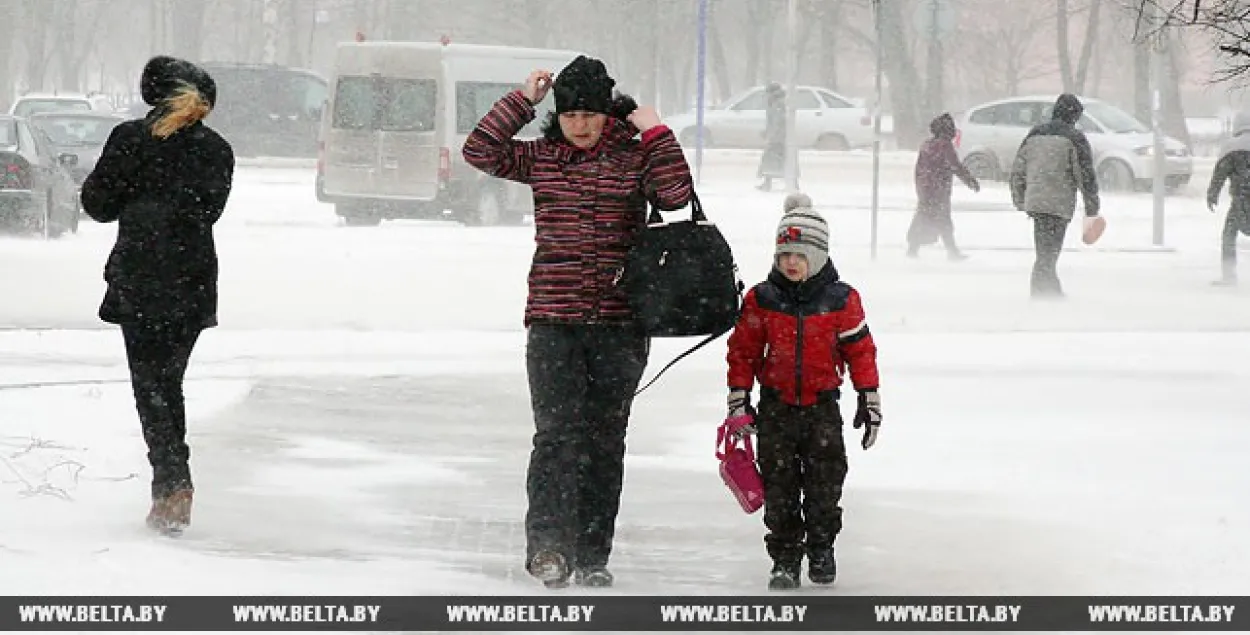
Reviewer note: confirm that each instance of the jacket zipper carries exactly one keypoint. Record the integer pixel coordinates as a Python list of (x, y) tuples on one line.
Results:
[(798, 359)]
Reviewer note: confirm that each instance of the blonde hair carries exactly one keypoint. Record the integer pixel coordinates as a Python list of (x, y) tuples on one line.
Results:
[(185, 107)]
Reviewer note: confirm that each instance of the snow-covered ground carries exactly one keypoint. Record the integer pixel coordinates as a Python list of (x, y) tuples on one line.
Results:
[(360, 422)]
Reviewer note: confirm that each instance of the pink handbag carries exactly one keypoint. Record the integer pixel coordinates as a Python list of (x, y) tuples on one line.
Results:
[(737, 466)]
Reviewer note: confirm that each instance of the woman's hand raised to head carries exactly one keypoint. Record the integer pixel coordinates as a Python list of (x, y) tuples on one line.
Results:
[(644, 118), (537, 85)]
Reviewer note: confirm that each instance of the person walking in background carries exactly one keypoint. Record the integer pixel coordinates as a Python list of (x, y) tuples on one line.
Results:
[(585, 354), (799, 331), (773, 161), (1054, 162), (936, 165), (1233, 166), (165, 179)]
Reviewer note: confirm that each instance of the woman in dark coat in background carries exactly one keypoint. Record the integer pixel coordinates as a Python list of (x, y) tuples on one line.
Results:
[(165, 179), (773, 160), (936, 164)]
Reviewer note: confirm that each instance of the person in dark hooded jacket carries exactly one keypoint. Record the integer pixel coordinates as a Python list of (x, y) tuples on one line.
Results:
[(1233, 166), (936, 165), (1054, 162), (165, 179)]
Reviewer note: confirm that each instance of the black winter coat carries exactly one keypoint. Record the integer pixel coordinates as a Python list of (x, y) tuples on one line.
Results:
[(165, 195)]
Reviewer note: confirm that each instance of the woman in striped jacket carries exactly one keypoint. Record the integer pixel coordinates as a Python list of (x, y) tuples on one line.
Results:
[(591, 180)]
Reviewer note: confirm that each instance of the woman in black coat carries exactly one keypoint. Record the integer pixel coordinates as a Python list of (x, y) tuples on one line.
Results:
[(165, 180)]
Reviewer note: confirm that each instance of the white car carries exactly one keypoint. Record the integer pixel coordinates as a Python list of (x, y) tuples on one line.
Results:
[(991, 133), (33, 104), (824, 120)]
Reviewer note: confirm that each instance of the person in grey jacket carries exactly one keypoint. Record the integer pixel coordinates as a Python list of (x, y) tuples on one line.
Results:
[(1233, 166), (1054, 162)]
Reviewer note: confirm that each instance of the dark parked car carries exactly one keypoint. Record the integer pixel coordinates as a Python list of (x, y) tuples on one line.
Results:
[(81, 134), (37, 194)]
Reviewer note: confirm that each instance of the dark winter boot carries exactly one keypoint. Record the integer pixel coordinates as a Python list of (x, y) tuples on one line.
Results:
[(822, 568), (551, 568), (783, 578), (171, 514), (595, 577)]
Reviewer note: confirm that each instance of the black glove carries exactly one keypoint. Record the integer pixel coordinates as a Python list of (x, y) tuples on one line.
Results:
[(868, 416)]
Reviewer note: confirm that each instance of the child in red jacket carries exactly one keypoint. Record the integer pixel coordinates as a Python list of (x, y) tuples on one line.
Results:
[(798, 331)]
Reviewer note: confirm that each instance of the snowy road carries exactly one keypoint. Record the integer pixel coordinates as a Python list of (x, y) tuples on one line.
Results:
[(360, 421)]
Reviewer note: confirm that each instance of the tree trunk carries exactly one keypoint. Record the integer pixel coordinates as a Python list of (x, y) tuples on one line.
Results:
[(1170, 92), (899, 69), (829, 18), (716, 55), (767, 40), (934, 70), (1103, 54), (1087, 48), (65, 25), (808, 18), (757, 12), (37, 15), (1141, 79), (1061, 35), (10, 13)]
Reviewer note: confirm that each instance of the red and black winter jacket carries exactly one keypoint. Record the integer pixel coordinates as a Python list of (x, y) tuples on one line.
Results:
[(588, 205), (797, 339)]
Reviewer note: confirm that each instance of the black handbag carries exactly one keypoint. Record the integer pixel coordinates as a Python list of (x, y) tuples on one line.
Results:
[(681, 280)]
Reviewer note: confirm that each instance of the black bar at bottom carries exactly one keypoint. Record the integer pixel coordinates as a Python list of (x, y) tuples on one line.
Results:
[(625, 613)]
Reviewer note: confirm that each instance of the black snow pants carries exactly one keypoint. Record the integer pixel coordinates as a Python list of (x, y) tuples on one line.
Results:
[(1237, 221), (582, 380), (158, 354), (1048, 234), (802, 460)]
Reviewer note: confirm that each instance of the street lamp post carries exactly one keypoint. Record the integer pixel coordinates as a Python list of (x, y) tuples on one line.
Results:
[(792, 59), (876, 130)]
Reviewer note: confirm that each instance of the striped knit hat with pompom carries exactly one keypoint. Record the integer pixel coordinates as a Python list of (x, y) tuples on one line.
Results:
[(803, 231)]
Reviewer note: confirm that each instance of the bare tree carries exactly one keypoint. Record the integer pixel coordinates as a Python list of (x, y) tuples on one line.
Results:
[(10, 10), (1075, 82), (1000, 44), (759, 41), (36, 18), (716, 53), (900, 70), (828, 15), (1226, 21)]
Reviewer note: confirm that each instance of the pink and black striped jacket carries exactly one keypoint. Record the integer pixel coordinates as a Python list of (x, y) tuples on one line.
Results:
[(588, 206)]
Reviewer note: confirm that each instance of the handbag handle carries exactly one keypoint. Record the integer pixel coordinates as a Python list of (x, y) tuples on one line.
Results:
[(729, 443), (696, 211)]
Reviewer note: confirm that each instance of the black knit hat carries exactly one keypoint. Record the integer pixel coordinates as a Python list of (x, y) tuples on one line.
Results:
[(162, 75), (584, 85)]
